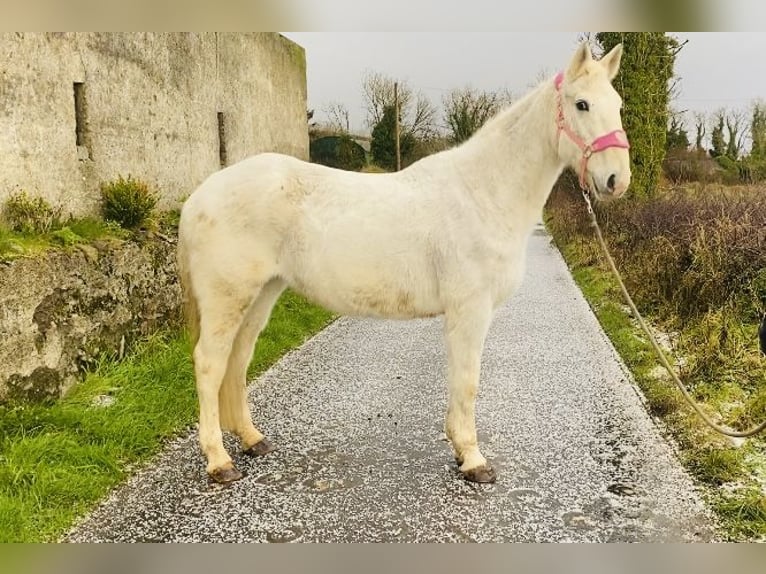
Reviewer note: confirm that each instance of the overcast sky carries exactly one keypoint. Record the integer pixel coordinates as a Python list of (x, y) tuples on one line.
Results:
[(715, 68)]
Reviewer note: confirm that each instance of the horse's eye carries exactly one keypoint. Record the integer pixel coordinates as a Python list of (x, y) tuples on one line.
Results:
[(582, 105)]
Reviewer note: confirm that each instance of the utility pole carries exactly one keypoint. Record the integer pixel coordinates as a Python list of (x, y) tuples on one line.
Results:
[(396, 126)]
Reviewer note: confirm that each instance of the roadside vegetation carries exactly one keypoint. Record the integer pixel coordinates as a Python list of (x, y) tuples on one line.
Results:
[(690, 242), (60, 457), (30, 225), (694, 260)]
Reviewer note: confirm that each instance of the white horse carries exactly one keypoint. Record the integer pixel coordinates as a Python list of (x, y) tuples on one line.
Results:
[(445, 236)]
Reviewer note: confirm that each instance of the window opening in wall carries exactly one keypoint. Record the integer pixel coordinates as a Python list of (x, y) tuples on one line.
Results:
[(82, 138), (221, 139)]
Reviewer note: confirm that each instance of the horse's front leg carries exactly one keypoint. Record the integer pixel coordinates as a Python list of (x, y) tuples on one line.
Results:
[(465, 330)]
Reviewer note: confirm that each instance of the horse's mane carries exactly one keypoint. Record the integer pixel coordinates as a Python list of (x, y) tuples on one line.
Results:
[(509, 116), (502, 122)]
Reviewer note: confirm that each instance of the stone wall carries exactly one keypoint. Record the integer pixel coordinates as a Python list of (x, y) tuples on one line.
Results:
[(61, 310), (77, 109)]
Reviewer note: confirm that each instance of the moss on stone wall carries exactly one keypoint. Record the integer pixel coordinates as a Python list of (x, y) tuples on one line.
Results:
[(62, 310)]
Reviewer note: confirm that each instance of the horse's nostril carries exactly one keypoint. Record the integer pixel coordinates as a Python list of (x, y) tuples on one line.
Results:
[(610, 182)]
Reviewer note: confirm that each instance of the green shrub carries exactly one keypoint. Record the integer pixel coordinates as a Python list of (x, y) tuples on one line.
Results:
[(33, 215), (383, 142), (731, 174), (90, 228), (644, 82), (752, 170), (129, 202), (339, 151), (65, 236)]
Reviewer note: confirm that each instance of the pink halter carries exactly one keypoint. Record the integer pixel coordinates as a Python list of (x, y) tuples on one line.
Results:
[(617, 138)]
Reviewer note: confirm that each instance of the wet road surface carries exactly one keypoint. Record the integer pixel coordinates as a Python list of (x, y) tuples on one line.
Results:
[(357, 415)]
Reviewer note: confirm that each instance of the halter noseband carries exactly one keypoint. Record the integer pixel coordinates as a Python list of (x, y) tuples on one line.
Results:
[(616, 138)]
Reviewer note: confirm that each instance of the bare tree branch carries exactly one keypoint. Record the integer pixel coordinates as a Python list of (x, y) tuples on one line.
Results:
[(467, 109), (337, 117), (422, 120), (735, 124), (700, 123), (417, 113)]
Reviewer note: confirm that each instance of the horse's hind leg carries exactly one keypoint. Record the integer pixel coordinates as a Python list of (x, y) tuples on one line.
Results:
[(235, 414), (221, 312), (466, 327)]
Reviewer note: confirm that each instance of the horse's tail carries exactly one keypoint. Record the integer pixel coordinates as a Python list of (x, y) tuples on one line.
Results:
[(189, 301)]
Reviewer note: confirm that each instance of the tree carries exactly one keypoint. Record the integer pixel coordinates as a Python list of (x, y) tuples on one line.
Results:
[(418, 115), (717, 138), (754, 166), (700, 120), (677, 137), (735, 122), (467, 109), (383, 143), (644, 82), (338, 117), (727, 137), (758, 131)]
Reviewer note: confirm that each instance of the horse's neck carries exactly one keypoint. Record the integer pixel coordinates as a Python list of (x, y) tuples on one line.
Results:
[(512, 163)]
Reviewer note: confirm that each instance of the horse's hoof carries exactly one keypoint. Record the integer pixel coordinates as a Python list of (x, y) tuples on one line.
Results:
[(482, 474), (260, 448), (225, 475)]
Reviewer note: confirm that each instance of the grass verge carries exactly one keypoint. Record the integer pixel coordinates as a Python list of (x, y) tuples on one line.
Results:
[(57, 460), (733, 477), (74, 232), (15, 244)]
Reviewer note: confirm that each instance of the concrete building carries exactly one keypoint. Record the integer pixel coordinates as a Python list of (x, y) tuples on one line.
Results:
[(78, 109)]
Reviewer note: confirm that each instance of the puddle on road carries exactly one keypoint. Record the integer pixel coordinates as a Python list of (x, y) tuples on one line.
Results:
[(316, 470), (288, 534), (578, 520), (621, 489)]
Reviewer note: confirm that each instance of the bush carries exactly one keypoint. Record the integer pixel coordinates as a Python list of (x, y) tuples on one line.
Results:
[(752, 170), (129, 202), (683, 253), (339, 151), (694, 263), (25, 214), (685, 166), (65, 236), (383, 143)]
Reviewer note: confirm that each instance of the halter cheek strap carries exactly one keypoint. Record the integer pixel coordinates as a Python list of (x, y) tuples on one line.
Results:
[(616, 138)]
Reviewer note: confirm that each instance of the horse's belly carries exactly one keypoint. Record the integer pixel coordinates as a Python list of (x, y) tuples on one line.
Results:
[(380, 291), (509, 281)]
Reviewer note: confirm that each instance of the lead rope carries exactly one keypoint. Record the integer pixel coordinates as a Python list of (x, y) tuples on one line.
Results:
[(724, 431)]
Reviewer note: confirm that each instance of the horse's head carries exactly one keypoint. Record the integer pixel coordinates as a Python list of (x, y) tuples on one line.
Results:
[(590, 134)]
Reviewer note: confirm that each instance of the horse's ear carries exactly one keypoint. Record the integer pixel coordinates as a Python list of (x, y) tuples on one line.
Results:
[(581, 57), (611, 61)]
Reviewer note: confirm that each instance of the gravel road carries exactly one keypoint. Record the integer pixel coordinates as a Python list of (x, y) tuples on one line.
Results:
[(357, 415)]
